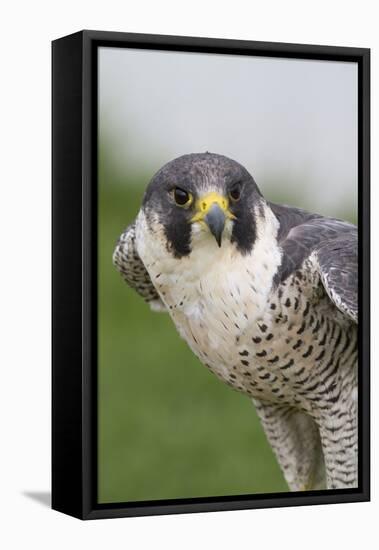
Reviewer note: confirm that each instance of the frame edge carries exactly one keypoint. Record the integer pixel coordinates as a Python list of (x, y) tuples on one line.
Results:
[(67, 386)]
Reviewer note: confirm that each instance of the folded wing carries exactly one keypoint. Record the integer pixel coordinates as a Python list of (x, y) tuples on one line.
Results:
[(133, 271), (333, 246), (338, 267)]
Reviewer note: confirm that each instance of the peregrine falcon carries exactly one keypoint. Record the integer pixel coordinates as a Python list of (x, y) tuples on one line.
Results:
[(265, 295)]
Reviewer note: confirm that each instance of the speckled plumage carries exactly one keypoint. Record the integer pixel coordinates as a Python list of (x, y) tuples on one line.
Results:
[(272, 312)]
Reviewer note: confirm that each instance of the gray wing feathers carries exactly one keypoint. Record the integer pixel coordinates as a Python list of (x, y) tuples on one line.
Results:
[(333, 244), (129, 264), (338, 268)]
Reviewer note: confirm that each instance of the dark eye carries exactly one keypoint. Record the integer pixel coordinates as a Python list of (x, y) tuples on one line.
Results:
[(235, 193), (182, 198)]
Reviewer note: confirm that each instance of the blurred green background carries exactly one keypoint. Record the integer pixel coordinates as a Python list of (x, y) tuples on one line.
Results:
[(168, 428)]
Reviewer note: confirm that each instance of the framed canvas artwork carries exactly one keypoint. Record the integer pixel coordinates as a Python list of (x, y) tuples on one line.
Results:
[(210, 274)]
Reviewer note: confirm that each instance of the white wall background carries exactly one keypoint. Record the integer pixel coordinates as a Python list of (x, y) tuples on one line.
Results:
[(27, 30)]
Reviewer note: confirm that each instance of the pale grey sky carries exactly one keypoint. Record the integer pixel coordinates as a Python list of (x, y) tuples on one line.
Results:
[(291, 122)]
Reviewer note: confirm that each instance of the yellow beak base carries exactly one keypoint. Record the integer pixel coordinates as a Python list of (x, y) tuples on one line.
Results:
[(205, 203)]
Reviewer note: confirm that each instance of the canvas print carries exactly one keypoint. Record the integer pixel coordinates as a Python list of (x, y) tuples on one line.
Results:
[(228, 284)]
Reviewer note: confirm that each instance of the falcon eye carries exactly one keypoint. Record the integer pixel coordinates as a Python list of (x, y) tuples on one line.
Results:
[(235, 193), (182, 198)]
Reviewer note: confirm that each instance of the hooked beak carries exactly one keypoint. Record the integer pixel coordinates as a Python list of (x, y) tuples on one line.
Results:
[(215, 219), (213, 209)]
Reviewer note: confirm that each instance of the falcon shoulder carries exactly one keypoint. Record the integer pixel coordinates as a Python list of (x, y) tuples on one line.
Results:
[(333, 247), (132, 269)]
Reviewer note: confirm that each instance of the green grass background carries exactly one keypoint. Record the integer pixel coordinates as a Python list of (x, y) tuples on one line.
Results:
[(168, 428)]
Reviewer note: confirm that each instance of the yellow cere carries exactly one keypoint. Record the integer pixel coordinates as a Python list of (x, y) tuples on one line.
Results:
[(203, 205)]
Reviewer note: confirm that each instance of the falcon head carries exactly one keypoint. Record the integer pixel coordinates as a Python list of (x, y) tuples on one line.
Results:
[(201, 197)]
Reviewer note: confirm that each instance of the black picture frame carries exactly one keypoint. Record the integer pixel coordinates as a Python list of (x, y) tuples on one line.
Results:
[(74, 204)]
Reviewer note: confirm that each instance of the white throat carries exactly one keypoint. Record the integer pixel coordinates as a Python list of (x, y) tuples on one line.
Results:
[(197, 287)]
